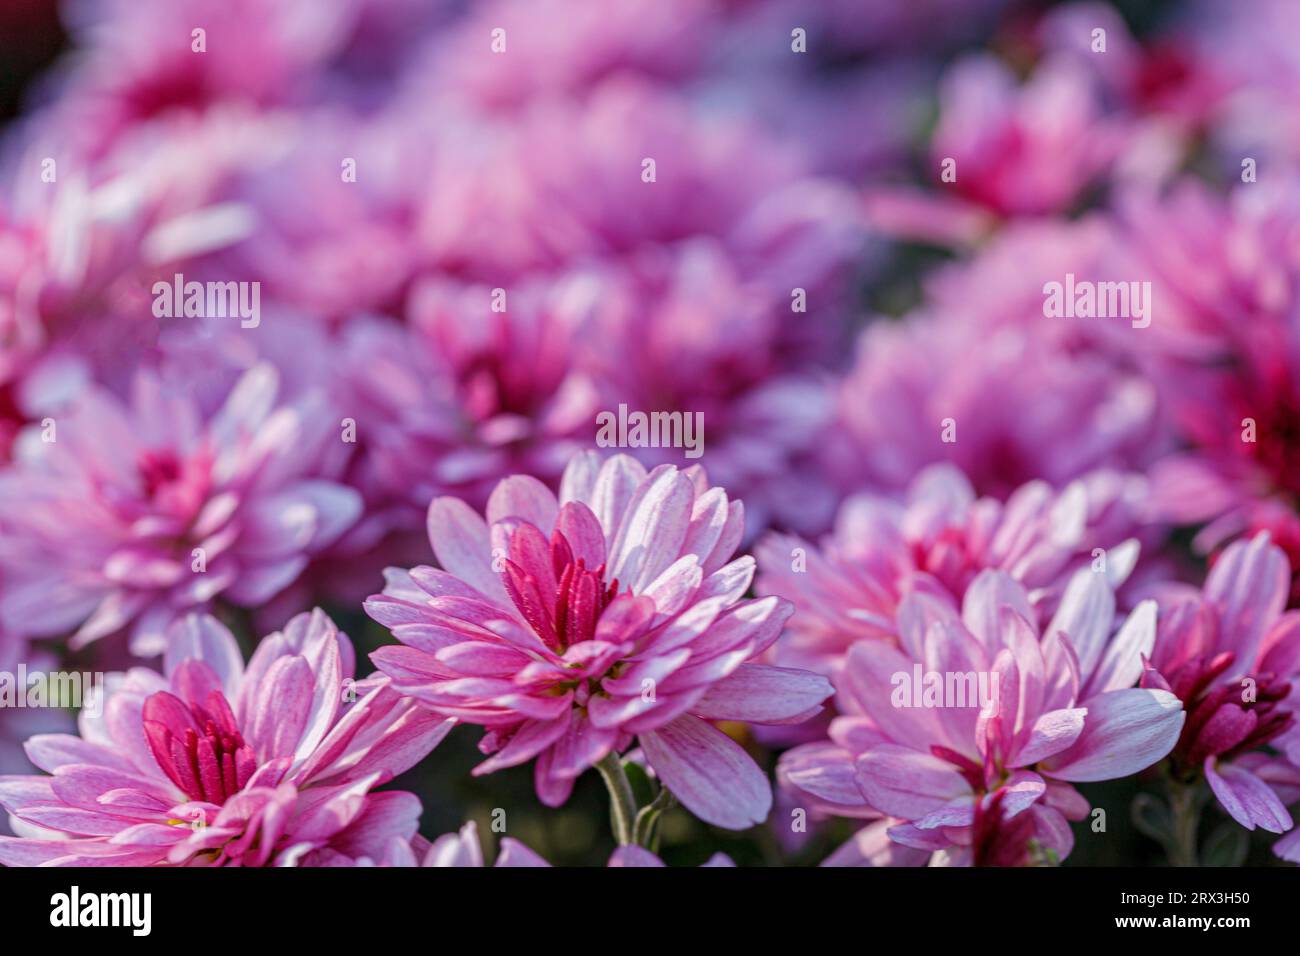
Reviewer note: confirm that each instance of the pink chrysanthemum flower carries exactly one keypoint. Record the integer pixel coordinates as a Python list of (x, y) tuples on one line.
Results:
[(476, 387), (140, 62), (1059, 706), (1021, 148), (218, 763), (1224, 355), (1253, 62), (685, 331), (935, 540), (1232, 655), (1007, 406), (136, 513), (567, 627), (664, 40)]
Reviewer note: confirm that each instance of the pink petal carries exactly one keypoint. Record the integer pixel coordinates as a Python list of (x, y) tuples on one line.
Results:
[(462, 546), (1249, 583), (634, 856), (868, 680), (653, 529), (1248, 800), (709, 773), (907, 783), (583, 532), (524, 497), (1051, 733), (822, 770), (764, 694), (1121, 664), (514, 853), (1125, 731), (456, 849), (982, 605), (202, 637), (1085, 615)]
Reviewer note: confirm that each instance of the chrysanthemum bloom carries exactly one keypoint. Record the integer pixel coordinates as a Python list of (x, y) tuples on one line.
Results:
[(481, 384), (218, 763), (935, 540), (664, 40), (1255, 63), (1163, 80), (1007, 135), (1224, 354), (567, 627), (333, 235), (628, 176), (130, 72), (580, 187), (1231, 655), (1029, 713), (677, 276), (685, 332), (1002, 150), (133, 514), (1007, 406)]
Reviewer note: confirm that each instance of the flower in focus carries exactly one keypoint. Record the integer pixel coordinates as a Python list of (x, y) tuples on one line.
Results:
[(1060, 707), (935, 540), (136, 513), (569, 626), (1232, 655), (218, 763)]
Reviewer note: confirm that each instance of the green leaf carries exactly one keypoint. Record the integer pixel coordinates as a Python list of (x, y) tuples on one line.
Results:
[(1152, 818), (643, 788), (1226, 846)]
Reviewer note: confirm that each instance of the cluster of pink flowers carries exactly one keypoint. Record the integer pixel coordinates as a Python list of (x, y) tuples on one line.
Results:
[(331, 303)]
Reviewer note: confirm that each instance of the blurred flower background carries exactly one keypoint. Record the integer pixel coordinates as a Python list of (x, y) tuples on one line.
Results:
[(825, 230)]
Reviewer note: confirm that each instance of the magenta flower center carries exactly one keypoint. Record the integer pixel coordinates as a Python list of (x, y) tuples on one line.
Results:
[(948, 559), (495, 387), (200, 749), (981, 778), (998, 839), (158, 468), (566, 612), (1276, 443), (169, 484), (1227, 719)]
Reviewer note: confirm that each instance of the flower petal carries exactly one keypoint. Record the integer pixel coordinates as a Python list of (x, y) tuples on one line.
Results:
[(709, 773)]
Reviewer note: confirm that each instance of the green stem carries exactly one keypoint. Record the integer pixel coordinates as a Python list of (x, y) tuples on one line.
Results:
[(1186, 812), (643, 833), (622, 803)]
